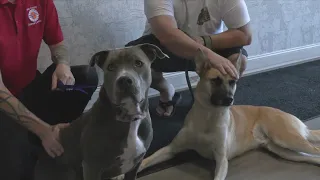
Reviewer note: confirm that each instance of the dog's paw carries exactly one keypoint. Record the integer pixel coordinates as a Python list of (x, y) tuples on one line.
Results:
[(140, 169), (120, 177), (142, 166)]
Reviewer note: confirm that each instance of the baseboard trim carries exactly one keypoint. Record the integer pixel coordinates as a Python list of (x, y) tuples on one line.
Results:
[(256, 64)]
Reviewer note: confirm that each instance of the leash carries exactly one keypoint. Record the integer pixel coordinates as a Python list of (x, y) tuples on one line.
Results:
[(186, 72), (63, 87), (188, 81)]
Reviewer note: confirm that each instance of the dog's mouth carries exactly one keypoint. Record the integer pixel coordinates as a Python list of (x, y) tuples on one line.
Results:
[(222, 101), (128, 111), (137, 117), (123, 103), (130, 118)]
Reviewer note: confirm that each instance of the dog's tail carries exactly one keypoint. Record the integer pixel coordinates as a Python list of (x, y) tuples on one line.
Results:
[(314, 136)]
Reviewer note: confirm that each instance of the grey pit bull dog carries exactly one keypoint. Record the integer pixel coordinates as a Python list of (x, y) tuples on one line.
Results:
[(111, 139)]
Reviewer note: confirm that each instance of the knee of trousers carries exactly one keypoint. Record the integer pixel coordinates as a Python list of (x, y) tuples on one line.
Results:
[(86, 75)]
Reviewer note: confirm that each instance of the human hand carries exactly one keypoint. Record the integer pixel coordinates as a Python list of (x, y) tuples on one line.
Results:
[(216, 61), (50, 140), (198, 39), (224, 65), (64, 74)]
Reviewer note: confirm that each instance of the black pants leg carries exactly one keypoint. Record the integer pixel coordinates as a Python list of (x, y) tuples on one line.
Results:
[(14, 148), (57, 106), (18, 154)]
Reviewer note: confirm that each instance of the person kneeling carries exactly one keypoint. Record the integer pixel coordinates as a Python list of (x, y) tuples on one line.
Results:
[(181, 28)]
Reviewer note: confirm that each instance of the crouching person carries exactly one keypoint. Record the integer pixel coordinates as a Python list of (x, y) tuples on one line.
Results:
[(180, 27)]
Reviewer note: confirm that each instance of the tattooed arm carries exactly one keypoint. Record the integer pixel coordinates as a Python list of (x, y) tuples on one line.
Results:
[(12, 107), (60, 56)]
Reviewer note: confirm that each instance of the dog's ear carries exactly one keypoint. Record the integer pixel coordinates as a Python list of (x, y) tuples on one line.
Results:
[(238, 63), (200, 61), (152, 51), (99, 58)]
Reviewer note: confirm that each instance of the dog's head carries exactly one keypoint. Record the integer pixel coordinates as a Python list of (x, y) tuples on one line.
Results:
[(127, 77), (214, 88)]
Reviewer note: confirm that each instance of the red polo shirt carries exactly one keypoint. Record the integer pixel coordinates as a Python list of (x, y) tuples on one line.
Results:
[(23, 27)]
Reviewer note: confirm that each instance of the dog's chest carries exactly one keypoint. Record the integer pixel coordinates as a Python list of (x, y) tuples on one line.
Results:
[(134, 149), (207, 131), (203, 144)]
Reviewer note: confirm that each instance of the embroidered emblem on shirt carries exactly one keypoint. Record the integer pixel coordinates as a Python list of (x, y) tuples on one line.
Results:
[(204, 16), (33, 15)]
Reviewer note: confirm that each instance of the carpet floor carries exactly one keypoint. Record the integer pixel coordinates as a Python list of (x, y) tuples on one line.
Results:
[(294, 89)]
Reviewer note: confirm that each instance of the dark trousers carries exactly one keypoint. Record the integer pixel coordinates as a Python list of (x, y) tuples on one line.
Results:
[(175, 63), (19, 147)]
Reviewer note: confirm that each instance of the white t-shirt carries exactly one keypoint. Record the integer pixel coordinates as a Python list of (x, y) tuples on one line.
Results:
[(199, 17)]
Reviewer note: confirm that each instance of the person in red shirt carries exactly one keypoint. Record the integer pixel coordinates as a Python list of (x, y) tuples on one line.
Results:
[(32, 106)]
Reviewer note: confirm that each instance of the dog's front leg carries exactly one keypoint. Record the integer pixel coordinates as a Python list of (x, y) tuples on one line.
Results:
[(220, 155), (221, 167)]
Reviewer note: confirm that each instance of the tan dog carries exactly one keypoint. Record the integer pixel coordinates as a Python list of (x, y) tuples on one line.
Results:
[(217, 130)]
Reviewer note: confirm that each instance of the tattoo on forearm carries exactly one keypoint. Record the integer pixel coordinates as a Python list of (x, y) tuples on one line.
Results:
[(60, 54), (18, 112)]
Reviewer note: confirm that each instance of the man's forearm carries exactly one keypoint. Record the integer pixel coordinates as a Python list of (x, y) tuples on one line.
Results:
[(181, 44), (229, 39), (60, 54), (12, 107)]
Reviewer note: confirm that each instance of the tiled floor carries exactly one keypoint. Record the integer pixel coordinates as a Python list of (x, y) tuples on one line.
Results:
[(254, 165)]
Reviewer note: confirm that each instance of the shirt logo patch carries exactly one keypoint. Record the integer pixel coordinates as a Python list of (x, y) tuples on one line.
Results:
[(33, 15), (204, 16)]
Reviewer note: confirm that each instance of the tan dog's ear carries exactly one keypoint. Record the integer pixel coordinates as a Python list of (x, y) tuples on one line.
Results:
[(152, 51), (237, 64), (200, 61), (99, 58)]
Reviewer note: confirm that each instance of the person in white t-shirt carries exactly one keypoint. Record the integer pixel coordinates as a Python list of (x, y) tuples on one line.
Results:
[(180, 27)]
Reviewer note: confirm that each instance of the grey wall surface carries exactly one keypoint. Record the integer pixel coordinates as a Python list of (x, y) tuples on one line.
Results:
[(283, 24), (92, 25)]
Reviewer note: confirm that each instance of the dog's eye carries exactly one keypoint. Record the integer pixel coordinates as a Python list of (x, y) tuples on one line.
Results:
[(232, 82), (138, 63), (217, 81), (111, 67)]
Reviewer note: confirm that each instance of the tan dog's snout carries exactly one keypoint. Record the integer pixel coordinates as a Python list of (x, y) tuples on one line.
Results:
[(221, 99)]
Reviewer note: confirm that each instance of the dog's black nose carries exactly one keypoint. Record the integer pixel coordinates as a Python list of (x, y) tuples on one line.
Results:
[(227, 101), (124, 82)]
